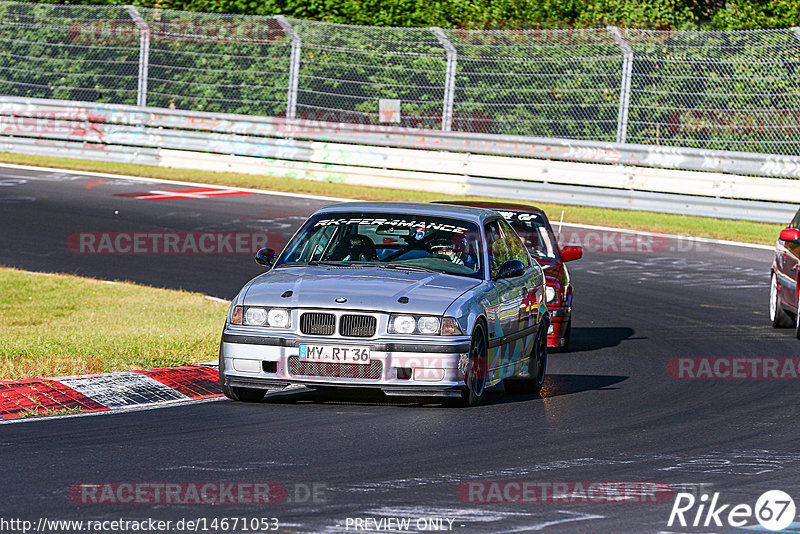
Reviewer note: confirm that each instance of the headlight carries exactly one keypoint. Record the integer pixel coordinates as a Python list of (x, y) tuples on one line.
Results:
[(428, 325), (256, 316), (424, 325), (402, 324), (550, 294), (278, 318)]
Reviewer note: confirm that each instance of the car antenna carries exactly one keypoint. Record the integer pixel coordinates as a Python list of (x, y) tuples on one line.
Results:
[(558, 238)]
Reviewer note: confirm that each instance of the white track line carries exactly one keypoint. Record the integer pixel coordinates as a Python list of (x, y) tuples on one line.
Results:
[(339, 199), (162, 181), (672, 236)]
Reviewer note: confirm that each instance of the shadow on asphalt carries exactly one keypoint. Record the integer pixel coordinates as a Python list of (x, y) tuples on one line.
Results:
[(554, 385), (598, 337)]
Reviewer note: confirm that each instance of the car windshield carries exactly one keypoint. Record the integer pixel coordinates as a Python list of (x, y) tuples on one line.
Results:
[(534, 231), (391, 241)]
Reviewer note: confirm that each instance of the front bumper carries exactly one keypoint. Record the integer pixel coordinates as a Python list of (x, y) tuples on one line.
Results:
[(559, 325), (397, 367)]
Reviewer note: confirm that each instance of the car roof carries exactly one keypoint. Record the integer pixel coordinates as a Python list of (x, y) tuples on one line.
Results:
[(470, 213), (488, 204)]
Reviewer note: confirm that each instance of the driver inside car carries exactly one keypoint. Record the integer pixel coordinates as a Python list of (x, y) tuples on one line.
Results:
[(450, 248)]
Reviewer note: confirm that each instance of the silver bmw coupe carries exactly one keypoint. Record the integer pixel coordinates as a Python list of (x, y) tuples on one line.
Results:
[(412, 299)]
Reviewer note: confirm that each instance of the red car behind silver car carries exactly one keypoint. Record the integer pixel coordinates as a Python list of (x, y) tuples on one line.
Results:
[(783, 287), (534, 228)]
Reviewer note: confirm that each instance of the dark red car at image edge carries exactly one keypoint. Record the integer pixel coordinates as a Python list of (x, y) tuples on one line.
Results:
[(784, 275), (534, 228)]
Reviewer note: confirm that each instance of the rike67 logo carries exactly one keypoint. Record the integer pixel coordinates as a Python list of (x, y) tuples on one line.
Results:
[(774, 510)]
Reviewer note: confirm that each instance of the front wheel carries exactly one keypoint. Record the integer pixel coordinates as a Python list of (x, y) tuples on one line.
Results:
[(243, 394), (476, 372), (778, 316), (537, 363)]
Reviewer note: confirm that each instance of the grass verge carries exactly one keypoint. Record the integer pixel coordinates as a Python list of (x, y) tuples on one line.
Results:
[(746, 231), (57, 325), (43, 412)]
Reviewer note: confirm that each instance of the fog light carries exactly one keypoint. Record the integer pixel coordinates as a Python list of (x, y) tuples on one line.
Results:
[(246, 366), (428, 375)]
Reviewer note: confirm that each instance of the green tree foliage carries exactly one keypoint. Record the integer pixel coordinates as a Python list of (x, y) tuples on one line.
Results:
[(715, 90), (508, 14)]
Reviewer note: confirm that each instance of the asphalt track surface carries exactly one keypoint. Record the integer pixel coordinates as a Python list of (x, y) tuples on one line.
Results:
[(609, 410)]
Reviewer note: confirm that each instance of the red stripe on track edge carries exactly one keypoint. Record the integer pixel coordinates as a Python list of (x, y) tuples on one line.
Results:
[(42, 397), (194, 381)]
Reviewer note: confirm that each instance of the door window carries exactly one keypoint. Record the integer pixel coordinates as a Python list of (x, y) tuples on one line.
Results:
[(503, 245)]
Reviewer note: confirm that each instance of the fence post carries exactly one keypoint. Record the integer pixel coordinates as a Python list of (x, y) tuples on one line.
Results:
[(449, 78), (796, 32), (625, 88), (294, 66), (144, 54)]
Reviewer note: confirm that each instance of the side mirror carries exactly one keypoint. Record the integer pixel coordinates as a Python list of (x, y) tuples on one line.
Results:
[(790, 234), (510, 269), (265, 257), (571, 253)]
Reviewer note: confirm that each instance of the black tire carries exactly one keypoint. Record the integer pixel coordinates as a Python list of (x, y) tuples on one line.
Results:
[(778, 316), (243, 394), (537, 366), (478, 368)]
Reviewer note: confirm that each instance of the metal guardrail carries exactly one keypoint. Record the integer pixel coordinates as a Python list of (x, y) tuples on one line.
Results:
[(723, 90), (434, 183), (456, 163), (102, 116)]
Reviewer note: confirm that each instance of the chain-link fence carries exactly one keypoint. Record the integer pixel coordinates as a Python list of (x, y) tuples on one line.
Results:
[(735, 90)]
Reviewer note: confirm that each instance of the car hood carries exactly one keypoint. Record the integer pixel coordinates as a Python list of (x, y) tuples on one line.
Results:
[(365, 288)]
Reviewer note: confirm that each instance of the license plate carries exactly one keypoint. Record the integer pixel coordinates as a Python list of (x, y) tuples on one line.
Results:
[(334, 354)]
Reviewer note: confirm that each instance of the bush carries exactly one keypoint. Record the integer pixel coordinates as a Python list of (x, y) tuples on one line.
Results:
[(508, 14)]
